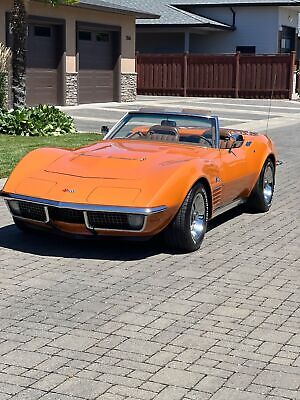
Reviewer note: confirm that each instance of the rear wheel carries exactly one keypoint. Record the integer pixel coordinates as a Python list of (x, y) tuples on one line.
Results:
[(187, 230), (261, 197)]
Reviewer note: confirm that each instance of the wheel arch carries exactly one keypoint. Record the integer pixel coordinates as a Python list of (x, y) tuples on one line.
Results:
[(273, 159), (206, 184)]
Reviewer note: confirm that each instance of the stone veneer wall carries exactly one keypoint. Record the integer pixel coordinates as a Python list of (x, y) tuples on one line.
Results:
[(6, 89), (71, 89), (128, 87)]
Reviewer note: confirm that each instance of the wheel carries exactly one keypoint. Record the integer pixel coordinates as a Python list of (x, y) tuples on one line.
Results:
[(187, 230), (261, 197)]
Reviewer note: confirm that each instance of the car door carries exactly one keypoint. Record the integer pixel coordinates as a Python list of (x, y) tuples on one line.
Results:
[(234, 174)]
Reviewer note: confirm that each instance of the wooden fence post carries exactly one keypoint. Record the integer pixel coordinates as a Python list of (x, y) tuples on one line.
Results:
[(185, 74), (237, 74), (292, 69)]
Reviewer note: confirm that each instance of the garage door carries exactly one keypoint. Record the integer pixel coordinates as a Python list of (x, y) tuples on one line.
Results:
[(44, 55), (98, 53)]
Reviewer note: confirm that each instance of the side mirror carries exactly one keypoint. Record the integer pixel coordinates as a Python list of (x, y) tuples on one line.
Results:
[(104, 129), (238, 140)]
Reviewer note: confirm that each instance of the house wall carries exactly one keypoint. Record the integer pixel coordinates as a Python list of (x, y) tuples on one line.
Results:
[(73, 14), (158, 42), (287, 17), (255, 26)]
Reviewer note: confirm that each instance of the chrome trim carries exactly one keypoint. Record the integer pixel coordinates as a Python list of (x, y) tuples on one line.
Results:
[(85, 207), (223, 209), (217, 132)]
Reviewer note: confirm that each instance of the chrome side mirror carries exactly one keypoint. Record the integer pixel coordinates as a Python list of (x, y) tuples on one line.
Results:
[(238, 141)]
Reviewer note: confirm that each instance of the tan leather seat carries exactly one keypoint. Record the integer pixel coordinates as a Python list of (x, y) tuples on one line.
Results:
[(163, 133)]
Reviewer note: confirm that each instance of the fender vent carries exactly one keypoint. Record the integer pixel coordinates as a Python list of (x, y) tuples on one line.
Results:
[(217, 195)]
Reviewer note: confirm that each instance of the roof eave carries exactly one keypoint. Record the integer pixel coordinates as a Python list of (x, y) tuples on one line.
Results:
[(221, 27), (134, 13)]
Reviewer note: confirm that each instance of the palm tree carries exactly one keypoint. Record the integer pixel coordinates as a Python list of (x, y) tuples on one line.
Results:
[(19, 23)]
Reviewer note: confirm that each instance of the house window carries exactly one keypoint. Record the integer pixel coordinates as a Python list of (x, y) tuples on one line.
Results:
[(44, 31), (246, 49), (287, 39), (102, 37), (84, 35)]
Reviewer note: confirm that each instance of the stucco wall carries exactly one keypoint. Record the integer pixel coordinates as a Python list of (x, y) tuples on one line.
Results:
[(73, 14), (255, 26), (287, 17)]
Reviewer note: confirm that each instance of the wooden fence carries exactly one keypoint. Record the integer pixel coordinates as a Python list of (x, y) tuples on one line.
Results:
[(232, 75)]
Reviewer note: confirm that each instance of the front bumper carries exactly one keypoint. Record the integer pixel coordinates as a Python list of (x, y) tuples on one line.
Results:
[(83, 218)]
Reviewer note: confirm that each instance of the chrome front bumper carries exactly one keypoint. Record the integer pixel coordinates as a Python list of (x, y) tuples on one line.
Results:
[(85, 209)]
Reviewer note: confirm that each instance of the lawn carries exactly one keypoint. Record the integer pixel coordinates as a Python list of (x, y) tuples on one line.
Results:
[(13, 148)]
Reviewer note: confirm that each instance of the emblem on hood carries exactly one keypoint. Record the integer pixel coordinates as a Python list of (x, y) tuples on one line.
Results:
[(66, 190)]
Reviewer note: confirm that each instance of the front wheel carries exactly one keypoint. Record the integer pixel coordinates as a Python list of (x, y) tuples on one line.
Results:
[(261, 197), (187, 230)]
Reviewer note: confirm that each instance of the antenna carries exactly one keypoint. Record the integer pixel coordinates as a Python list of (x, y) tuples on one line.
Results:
[(271, 98)]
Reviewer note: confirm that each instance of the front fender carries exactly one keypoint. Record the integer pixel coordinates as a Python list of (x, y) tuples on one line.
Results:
[(31, 164), (174, 190)]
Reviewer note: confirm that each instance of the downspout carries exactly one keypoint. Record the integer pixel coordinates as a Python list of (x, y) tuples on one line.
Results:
[(233, 18)]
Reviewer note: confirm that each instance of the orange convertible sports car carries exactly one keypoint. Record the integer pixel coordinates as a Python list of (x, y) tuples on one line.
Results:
[(154, 172)]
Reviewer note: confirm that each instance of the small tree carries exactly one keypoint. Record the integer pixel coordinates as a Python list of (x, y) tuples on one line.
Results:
[(5, 55), (19, 26)]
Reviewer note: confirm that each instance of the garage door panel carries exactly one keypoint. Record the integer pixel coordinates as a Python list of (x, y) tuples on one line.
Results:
[(98, 50), (96, 86), (45, 50), (42, 86)]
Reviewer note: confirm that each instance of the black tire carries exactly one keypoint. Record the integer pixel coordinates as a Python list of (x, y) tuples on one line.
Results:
[(182, 234), (261, 196)]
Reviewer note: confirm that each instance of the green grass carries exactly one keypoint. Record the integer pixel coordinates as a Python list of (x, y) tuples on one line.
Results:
[(13, 148)]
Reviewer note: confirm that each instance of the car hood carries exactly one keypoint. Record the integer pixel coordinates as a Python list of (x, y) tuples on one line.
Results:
[(119, 172), (121, 159)]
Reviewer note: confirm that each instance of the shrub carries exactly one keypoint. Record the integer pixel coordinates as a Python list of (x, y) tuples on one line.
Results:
[(43, 120), (5, 55)]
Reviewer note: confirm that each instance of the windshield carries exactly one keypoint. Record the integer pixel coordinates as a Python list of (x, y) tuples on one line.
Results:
[(191, 130)]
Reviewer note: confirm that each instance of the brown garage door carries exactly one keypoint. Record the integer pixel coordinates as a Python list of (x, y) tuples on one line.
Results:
[(44, 55), (98, 53)]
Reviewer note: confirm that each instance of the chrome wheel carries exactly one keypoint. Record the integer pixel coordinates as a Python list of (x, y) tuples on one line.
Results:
[(198, 217), (268, 183)]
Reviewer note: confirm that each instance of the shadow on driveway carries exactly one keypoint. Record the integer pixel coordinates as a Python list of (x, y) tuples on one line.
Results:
[(45, 244)]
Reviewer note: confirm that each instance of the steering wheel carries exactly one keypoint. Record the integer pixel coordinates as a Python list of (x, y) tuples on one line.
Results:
[(132, 134), (206, 140)]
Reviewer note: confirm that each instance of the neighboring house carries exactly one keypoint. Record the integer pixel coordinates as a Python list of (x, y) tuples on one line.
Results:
[(78, 54), (215, 26)]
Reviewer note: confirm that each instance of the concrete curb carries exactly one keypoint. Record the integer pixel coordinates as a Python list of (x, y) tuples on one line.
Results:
[(2, 182)]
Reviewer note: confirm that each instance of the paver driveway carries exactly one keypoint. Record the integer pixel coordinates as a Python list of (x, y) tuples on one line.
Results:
[(115, 321)]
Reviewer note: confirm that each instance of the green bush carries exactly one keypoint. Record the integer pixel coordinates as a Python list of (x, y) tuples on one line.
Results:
[(43, 120)]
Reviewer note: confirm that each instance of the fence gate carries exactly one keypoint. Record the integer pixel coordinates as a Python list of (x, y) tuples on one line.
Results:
[(232, 75)]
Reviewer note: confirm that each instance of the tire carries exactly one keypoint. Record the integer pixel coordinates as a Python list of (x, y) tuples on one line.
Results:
[(186, 231), (261, 196)]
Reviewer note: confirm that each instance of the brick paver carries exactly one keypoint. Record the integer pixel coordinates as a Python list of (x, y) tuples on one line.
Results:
[(116, 321)]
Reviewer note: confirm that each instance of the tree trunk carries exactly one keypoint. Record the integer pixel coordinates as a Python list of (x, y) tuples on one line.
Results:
[(19, 33)]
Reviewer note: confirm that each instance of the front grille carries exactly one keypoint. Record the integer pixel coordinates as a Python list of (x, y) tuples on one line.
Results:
[(94, 219), (66, 215), (28, 210), (107, 220)]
